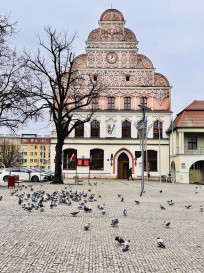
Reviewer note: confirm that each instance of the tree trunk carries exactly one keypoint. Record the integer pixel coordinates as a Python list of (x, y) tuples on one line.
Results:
[(58, 179)]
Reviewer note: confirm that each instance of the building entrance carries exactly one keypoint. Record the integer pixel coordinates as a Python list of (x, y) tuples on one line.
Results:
[(123, 166), (196, 172)]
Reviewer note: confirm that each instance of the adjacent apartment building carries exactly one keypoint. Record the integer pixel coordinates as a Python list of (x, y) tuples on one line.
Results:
[(35, 149), (111, 139)]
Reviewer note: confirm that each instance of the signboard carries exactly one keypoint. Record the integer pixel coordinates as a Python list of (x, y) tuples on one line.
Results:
[(83, 161)]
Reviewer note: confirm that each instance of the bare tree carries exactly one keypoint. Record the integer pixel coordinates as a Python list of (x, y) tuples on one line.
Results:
[(15, 105), (59, 87), (10, 155)]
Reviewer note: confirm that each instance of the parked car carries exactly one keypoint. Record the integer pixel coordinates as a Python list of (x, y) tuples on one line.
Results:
[(43, 171), (24, 174)]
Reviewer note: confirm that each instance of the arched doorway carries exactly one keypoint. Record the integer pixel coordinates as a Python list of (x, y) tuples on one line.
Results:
[(123, 166), (196, 172)]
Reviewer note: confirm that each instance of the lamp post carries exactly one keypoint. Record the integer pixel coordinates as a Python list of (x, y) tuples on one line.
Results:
[(143, 133)]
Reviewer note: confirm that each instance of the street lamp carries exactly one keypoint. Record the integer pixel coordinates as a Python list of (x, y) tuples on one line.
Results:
[(143, 132)]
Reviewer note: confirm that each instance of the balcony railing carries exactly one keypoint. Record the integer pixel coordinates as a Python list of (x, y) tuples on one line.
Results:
[(195, 151)]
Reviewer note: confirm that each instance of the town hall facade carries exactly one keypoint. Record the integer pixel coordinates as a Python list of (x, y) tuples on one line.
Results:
[(111, 139)]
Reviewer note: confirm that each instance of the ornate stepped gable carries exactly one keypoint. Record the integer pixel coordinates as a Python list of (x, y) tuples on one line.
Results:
[(112, 55)]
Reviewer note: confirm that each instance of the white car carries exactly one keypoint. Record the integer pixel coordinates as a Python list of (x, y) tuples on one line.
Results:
[(24, 174)]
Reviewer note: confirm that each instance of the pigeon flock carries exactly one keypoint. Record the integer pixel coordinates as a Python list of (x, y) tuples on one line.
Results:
[(31, 200)]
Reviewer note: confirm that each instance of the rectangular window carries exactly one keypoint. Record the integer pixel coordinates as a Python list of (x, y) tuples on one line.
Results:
[(31, 153), (192, 143), (111, 103), (36, 146), (31, 160), (127, 103), (95, 103), (24, 147), (35, 160), (31, 146), (32, 140), (24, 140), (36, 154)]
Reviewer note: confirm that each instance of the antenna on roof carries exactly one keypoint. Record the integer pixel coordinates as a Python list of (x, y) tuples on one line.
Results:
[(111, 6)]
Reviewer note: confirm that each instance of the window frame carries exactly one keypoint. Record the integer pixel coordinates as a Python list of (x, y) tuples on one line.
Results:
[(111, 103), (126, 130), (95, 128), (127, 103)]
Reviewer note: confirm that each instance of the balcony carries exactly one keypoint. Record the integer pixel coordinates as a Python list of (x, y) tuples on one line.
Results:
[(195, 151)]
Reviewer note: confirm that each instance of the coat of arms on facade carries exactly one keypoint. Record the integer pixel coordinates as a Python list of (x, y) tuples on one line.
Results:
[(110, 129)]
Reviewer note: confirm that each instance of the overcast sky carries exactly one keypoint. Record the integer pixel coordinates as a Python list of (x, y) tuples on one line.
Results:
[(170, 34)]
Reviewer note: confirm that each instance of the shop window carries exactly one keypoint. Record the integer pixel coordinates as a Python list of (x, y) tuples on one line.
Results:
[(96, 159)]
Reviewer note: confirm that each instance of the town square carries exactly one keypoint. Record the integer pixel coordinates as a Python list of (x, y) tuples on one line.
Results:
[(101, 137)]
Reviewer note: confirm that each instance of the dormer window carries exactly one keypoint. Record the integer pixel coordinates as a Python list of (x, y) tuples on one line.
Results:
[(127, 78)]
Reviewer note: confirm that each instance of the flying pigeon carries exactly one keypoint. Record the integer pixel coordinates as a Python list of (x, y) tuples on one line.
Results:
[(167, 224), (188, 206), (201, 208), (126, 245), (114, 222), (87, 226), (74, 213), (160, 243), (125, 212), (119, 239), (162, 207), (137, 202)]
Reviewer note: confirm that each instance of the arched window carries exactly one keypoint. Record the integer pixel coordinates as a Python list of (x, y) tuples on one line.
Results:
[(157, 129), (69, 159), (152, 160), (96, 159), (95, 128), (95, 103), (111, 103), (143, 101), (127, 103), (126, 129), (79, 131)]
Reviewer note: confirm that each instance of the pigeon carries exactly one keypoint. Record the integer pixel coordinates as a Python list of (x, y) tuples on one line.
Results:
[(103, 212), (162, 207), (167, 224), (119, 195), (119, 239), (114, 222), (126, 245), (201, 208), (74, 213), (87, 226), (160, 243), (137, 202), (188, 206), (122, 199), (171, 203), (125, 212), (87, 209), (160, 191)]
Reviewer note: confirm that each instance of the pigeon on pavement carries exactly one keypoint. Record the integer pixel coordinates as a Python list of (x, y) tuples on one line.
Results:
[(74, 213), (126, 245), (167, 224), (125, 212), (137, 202), (87, 226), (160, 243), (119, 239), (201, 208), (162, 207), (114, 222), (188, 206)]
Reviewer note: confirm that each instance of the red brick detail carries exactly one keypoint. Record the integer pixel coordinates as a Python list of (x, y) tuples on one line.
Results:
[(132, 157)]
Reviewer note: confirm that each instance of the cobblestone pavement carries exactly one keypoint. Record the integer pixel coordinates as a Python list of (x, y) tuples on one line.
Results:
[(54, 241)]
